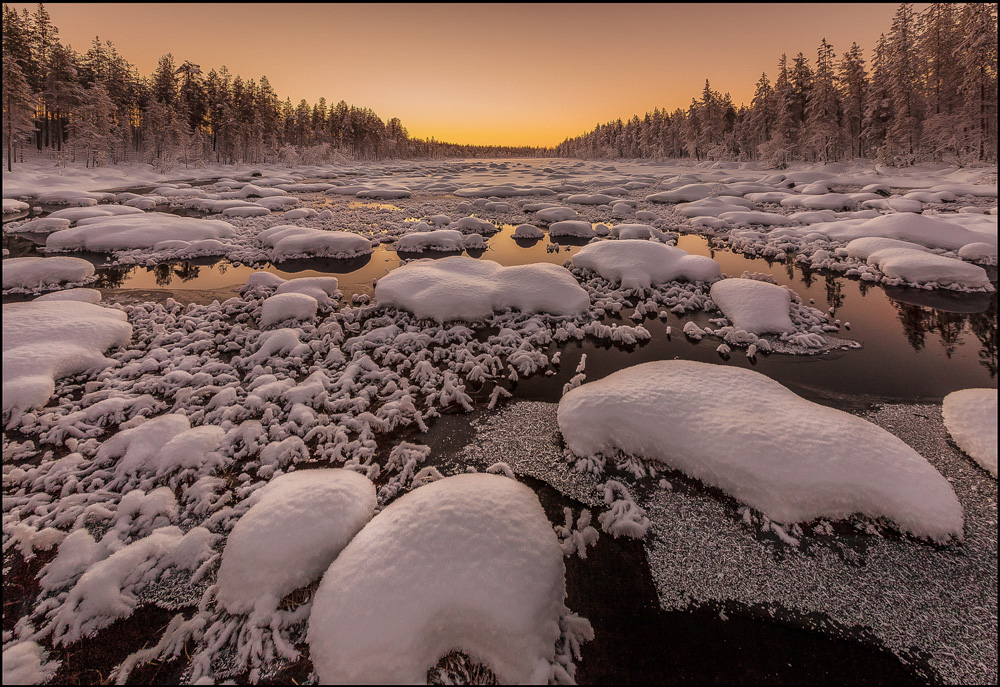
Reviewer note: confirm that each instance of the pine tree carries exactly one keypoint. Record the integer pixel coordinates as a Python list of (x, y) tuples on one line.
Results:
[(823, 108), (878, 111), (852, 79), (903, 134), (977, 59), (18, 107)]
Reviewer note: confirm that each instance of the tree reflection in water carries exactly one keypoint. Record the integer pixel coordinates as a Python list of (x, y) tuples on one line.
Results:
[(112, 278), (165, 272), (919, 321)]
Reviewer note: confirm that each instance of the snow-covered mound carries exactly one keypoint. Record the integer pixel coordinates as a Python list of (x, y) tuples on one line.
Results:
[(528, 231), (289, 537), (40, 273), (136, 231), (290, 241), (43, 225), (916, 266), (462, 288), (754, 306), (442, 239), (640, 264), (45, 341), (469, 562), (931, 232), (572, 227), (502, 192), (971, 418), (10, 206), (283, 307), (744, 433)]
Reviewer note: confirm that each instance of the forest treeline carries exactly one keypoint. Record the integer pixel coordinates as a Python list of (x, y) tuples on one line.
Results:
[(930, 93), (95, 107)]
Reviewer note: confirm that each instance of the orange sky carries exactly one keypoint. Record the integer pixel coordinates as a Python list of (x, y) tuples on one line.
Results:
[(513, 74)]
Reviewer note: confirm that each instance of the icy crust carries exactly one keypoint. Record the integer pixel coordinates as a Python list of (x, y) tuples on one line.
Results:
[(636, 263), (744, 433), (290, 241), (297, 525), (754, 306), (128, 232), (35, 274), (469, 562), (971, 418), (461, 288), (45, 341)]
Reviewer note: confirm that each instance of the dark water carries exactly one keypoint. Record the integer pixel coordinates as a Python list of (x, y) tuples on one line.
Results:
[(917, 345)]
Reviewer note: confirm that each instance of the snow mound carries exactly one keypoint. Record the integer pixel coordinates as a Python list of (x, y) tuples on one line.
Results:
[(744, 433), (10, 206), (45, 225), (740, 218), (45, 341), (136, 231), (556, 214), (40, 273), (971, 418), (289, 537), (442, 239), (571, 227), (289, 241), (468, 562), (528, 231), (282, 307), (462, 288), (916, 266), (713, 207), (754, 306), (640, 264)]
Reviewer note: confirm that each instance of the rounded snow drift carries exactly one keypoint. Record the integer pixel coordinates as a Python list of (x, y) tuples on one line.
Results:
[(469, 562)]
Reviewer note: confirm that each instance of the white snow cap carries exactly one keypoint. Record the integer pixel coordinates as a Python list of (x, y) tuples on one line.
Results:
[(640, 264), (289, 537), (419, 241), (754, 306), (51, 339), (462, 288), (289, 241), (742, 432), (469, 562), (38, 273), (136, 231), (971, 418)]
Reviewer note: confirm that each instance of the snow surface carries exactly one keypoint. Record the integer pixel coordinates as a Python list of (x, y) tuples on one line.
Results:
[(640, 264), (468, 562), (744, 433), (135, 231), (39, 273), (462, 288), (297, 525), (754, 306), (971, 418), (45, 341)]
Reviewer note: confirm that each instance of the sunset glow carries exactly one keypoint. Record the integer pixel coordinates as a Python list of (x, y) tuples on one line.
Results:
[(514, 74)]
